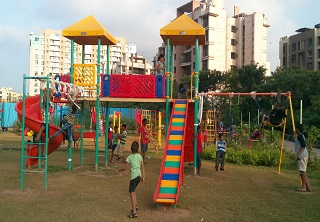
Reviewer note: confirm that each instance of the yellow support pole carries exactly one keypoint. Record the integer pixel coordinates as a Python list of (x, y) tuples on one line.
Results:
[(282, 143), (159, 133), (119, 121)]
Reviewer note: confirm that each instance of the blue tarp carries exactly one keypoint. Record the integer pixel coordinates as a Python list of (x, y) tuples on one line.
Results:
[(8, 114)]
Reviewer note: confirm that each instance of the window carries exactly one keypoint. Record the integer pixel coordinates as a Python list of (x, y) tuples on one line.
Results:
[(284, 61), (207, 35), (293, 58), (205, 64), (233, 29), (309, 66), (284, 49), (233, 68), (309, 42), (205, 51), (233, 42), (293, 46), (309, 55), (233, 55), (36, 56), (36, 39), (318, 40), (318, 53)]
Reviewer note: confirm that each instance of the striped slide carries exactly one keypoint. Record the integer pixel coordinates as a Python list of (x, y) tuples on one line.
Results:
[(171, 173)]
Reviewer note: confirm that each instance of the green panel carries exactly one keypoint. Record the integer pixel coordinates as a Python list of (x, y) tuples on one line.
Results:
[(173, 164), (180, 109), (175, 142), (177, 124), (168, 190)]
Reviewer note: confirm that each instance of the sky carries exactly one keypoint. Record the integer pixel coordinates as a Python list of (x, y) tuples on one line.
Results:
[(139, 21)]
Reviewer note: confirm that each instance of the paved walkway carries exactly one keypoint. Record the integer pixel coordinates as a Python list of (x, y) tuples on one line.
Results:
[(290, 146)]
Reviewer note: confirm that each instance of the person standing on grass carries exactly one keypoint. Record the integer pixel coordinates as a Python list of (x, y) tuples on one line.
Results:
[(302, 158), (114, 142), (120, 147), (137, 174), (68, 126), (110, 136), (144, 138), (62, 123), (221, 152)]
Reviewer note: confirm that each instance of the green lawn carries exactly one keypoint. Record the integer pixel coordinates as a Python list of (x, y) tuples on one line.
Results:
[(240, 193)]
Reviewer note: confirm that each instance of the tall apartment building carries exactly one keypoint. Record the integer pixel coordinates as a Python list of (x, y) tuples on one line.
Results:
[(302, 49), (8, 95), (50, 53), (231, 42)]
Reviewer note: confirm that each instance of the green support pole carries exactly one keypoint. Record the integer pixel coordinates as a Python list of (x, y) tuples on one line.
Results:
[(196, 103), (172, 69), (22, 135), (72, 60), (40, 138), (106, 155), (168, 61), (108, 60), (83, 53), (46, 135), (97, 107), (167, 89), (82, 133)]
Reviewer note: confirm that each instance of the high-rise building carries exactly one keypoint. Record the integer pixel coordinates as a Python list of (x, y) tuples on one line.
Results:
[(8, 95), (301, 49), (50, 53), (231, 42)]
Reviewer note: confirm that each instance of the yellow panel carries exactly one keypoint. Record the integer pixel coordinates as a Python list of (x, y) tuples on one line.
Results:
[(169, 183), (87, 31), (180, 105), (173, 158), (175, 137), (183, 31), (84, 75), (178, 120), (160, 200)]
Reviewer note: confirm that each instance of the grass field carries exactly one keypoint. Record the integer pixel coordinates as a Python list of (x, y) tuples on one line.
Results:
[(240, 193)]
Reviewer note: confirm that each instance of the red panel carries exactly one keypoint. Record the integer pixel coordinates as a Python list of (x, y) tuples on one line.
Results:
[(133, 86), (188, 144), (121, 85), (144, 86)]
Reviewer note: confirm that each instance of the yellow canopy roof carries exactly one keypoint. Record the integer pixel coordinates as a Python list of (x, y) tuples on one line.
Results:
[(183, 31), (87, 31)]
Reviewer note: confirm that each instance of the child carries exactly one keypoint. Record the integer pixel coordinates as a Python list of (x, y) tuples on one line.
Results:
[(160, 65), (120, 147), (110, 135), (144, 138), (302, 158), (43, 116), (220, 153), (136, 166), (277, 115), (182, 90), (256, 134), (114, 142), (68, 126), (62, 123), (199, 150)]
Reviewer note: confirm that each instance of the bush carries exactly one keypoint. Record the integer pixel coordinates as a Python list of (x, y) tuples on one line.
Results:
[(255, 157)]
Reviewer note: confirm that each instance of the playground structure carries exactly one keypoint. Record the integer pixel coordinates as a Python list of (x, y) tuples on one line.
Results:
[(88, 85), (182, 116)]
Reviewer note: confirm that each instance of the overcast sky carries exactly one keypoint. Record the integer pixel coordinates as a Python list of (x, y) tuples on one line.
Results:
[(139, 21)]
